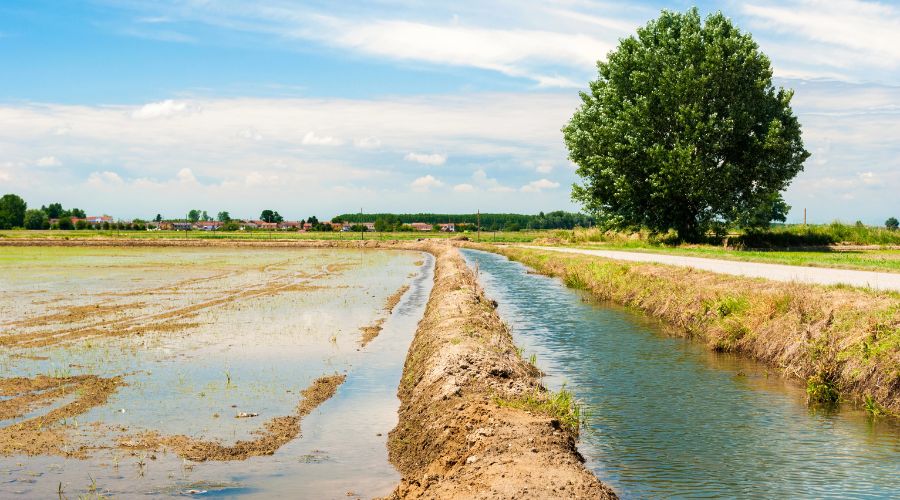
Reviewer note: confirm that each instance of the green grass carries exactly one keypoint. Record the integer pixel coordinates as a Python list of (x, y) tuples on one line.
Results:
[(867, 260), (486, 236), (560, 405)]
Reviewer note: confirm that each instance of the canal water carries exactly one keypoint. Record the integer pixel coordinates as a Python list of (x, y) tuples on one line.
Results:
[(670, 418)]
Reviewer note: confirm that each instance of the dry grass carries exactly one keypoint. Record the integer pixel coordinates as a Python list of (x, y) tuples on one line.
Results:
[(834, 338)]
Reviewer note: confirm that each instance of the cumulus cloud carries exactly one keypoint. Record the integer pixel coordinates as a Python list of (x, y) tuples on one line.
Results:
[(464, 188), (48, 161), (539, 185), (250, 134), (311, 139), (425, 183), (4, 175), (160, 109), (105, 179), (426, 159), (481, 179), (544, 168), (186, 176), (367, 143)]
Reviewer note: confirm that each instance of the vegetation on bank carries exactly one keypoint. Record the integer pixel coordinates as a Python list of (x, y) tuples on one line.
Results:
[(844, 343)]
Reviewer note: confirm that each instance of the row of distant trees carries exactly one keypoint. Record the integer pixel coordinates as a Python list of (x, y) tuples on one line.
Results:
[(14, 212), (489, 221)]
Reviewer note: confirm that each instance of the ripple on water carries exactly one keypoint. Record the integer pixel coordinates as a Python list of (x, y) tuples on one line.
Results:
[(671, 419)]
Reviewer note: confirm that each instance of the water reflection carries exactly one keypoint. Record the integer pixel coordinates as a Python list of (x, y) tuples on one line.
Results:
[(671, 418)]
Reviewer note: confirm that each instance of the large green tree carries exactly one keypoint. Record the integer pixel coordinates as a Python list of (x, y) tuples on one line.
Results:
[(12, 211), (36, 219), (683, 129)]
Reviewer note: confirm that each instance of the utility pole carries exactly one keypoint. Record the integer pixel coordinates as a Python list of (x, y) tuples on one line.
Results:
[(478, 222), (804, 216), (362, 226)]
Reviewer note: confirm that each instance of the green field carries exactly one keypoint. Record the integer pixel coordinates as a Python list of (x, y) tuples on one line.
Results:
[(486, 236), (880, 259)]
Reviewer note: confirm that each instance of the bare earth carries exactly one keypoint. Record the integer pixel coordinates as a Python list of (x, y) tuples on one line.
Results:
[(777, 272)]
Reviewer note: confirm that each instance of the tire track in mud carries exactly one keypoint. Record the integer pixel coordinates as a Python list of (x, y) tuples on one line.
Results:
[(164, 321)]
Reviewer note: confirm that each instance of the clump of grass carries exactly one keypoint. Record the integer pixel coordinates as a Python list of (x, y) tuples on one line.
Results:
[(560, 405), (872, 407), (821, 390)]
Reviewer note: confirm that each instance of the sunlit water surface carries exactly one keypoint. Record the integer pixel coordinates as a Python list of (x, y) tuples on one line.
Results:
[(251, 354), (669, 418)]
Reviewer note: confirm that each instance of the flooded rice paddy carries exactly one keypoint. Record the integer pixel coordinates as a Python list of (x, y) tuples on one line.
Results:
[(144, 346), (669, 418)]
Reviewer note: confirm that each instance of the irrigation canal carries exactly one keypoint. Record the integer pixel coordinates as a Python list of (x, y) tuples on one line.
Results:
[(669, 418)]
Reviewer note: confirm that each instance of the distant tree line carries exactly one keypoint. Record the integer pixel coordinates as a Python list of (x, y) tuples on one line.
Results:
[(489, 222)]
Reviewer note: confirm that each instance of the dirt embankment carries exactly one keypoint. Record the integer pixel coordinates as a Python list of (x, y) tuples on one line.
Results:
[(840, 341), (454, 439)]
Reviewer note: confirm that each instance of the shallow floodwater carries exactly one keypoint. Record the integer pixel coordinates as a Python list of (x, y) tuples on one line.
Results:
[(251, 328), (669, 418)]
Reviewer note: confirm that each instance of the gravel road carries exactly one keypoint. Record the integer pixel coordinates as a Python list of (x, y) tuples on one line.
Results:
[(778, 272)]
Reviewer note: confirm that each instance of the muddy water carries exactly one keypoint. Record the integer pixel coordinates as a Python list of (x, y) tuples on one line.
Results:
[(257, 326), (669, 418)]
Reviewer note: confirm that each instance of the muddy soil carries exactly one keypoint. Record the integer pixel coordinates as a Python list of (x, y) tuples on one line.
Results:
[(44, 435), (275, 433), (454, 440)]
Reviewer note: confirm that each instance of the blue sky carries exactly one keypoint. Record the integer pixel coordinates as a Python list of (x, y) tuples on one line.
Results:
[(137, 107)]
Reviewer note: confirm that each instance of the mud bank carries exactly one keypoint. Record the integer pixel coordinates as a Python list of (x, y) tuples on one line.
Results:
[(456, 438), (839, 341)]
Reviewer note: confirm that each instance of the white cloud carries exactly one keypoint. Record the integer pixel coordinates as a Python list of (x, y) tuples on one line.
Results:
[(425, 183), (544, 168), (105, 179), (481, 179), (161, 109), (464, 188), (4, 175), (367, 142), (539, 185), (186, 176), (250, 134), (259, 179), (514, 52), (311, 139), (48, 161), (426, 159)]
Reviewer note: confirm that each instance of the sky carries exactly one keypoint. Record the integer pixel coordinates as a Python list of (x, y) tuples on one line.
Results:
[(133, 108)]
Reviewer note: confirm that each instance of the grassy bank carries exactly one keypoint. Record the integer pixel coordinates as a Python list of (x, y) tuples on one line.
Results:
[(843, 343)]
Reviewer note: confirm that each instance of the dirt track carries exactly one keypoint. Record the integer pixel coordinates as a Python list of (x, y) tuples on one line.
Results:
[(777, 272)]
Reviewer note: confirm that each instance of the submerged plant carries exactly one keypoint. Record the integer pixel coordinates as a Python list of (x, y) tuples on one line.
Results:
[(872, 407)]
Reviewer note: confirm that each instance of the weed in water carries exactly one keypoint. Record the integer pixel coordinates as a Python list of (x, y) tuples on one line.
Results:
[(872, 407), (821, 389)]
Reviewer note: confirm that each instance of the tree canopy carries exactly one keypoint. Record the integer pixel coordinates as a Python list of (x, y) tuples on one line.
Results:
[(36, 219), (270, 216), (683, 129), (12, 211), (892, 223)]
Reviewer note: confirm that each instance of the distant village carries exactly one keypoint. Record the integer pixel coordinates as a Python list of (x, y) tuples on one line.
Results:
[(106, 222)]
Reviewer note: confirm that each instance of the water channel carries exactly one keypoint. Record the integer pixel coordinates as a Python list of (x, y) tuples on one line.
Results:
[(670, 418)]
